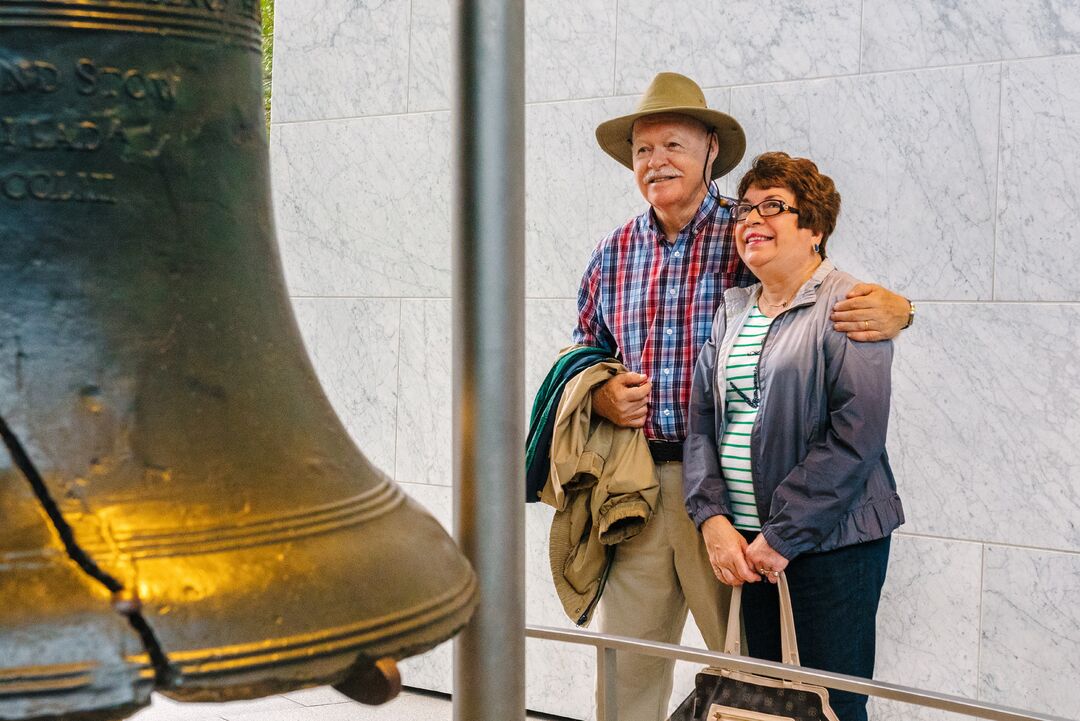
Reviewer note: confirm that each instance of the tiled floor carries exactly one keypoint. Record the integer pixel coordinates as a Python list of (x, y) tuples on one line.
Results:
[(317, 704)]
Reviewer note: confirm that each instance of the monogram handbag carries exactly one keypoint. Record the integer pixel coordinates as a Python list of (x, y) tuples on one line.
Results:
[(724, 695)]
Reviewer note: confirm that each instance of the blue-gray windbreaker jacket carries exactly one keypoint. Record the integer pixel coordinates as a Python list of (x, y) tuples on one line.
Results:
[(821, 474)]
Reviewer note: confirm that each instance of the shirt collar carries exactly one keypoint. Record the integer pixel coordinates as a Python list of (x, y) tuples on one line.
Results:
[(704, 212)]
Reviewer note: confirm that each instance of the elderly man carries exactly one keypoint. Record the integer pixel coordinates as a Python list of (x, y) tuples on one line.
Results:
[(650, 291)]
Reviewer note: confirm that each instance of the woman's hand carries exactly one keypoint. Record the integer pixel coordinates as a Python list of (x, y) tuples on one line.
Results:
[(727, 552), (764, 560)]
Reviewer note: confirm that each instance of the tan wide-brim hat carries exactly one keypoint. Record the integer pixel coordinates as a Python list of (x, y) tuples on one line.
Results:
[(674, 93)]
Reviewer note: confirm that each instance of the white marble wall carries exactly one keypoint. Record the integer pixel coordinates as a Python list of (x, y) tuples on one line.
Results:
[(953, 132)]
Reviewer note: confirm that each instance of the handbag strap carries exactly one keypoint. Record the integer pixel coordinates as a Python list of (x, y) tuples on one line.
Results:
[(788, 643), (789, 647), (733, 642)]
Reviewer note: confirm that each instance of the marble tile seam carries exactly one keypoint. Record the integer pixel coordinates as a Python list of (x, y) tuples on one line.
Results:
[(554, 101), (892, 71), (552, 297), (991, 301), (870, 74), (862, 24), (369, 297), (997, 183), (708, 88), (979, 645), (423, 297), (397, 378), (987, 543), (968, 64), (914, 299), (586, 99), (350, 118), (615, 54), (409, 63), (786, 81), (860, 73)]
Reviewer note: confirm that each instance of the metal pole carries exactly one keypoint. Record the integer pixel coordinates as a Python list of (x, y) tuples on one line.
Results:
[(489, 320), (607, 705)]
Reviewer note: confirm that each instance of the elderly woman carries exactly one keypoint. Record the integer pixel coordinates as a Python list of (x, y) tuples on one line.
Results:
[(785, 463)]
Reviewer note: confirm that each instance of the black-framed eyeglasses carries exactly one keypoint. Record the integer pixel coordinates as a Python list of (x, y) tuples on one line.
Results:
[(766, 208)]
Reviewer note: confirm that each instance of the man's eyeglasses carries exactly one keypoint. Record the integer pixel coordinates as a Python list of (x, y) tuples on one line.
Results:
[(765, 209)]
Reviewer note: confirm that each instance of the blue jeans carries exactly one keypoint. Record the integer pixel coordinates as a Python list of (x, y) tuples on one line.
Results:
[(834, 596)]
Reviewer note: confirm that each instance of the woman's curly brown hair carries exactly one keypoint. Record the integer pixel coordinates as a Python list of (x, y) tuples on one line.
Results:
[(815, 193)]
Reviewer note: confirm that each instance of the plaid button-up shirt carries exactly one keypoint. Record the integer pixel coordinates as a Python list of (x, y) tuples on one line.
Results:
[(653, 301)]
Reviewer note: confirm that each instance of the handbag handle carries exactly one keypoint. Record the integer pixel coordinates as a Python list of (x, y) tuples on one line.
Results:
[(789, 647)]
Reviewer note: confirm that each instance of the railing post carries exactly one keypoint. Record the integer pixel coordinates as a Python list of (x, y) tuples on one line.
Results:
[(607, 705)]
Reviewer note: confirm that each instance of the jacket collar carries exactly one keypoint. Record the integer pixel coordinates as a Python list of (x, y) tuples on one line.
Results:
[(738, 300)]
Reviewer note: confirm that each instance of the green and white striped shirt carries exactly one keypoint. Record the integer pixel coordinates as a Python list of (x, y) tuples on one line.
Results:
[(739, 419)]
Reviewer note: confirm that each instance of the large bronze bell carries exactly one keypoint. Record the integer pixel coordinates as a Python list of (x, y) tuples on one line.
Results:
[(180, 508)]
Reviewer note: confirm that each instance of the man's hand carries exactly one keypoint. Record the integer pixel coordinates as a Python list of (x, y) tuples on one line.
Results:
[(871, 313), (764, 560), (727, 552), (624, 399)]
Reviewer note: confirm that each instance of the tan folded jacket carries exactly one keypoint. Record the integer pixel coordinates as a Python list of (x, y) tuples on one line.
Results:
[(602, 487)]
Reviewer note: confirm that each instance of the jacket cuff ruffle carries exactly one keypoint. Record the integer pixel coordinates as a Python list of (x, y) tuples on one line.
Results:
[(784, 548), (622, 518), (705, 511)]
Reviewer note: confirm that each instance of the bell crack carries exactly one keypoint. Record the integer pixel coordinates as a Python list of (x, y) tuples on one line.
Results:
[(125, 601)]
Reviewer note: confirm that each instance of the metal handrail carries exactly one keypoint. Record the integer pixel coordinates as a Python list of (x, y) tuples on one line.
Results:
[(607, 645)]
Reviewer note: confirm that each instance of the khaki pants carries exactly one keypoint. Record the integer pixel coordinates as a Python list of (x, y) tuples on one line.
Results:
[(655, 577)]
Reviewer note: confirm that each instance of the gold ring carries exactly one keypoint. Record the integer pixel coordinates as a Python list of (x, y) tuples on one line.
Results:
[(866, 325)]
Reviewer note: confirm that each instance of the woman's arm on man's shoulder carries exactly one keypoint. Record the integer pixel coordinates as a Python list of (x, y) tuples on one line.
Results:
[(872, 313)]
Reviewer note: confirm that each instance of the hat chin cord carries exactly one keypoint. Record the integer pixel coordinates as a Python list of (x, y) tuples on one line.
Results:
[(705, 169)]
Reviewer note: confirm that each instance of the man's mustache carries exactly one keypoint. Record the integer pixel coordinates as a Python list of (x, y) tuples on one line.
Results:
[(661, 175)]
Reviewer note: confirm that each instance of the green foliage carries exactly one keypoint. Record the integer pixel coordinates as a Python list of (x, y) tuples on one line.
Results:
[(267, 55)]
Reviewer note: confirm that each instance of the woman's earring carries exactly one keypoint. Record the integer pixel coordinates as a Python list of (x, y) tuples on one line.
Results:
[(817, 248)]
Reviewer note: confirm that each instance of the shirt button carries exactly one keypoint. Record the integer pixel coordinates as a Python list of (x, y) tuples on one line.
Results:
[(667, 371), (671, 292), (669, 331), (677, 254), (667, 411)]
